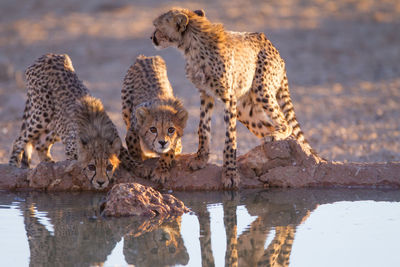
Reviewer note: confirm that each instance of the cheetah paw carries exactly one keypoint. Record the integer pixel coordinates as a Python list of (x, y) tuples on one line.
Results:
[(230, 179), (47, 159), (160, 176), (144, 171), (198, 162)]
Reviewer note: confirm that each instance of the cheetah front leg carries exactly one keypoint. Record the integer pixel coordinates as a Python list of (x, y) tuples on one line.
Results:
[(230, 204), (206, 109), (204, 218), (161, 172), (132, 157), (230, 177), (71, 149), (132, 165), (133, 144), (70, 145)]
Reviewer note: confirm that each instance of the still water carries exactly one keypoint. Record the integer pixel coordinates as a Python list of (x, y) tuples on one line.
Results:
[(305, 227)]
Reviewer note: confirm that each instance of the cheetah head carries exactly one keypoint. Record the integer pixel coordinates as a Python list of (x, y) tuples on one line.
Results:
[(160, 127), (170, 27), (163, 245), (98, 159)]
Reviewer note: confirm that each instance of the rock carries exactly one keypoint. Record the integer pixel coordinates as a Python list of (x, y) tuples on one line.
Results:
[(12, 177), (133, 199), (284, 163), (54, 177), (182, 178)]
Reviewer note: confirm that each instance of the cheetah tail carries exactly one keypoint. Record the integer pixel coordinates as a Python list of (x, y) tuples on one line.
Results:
[(287, 108)]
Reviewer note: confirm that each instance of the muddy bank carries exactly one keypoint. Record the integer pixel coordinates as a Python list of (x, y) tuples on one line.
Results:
[(276, 164)]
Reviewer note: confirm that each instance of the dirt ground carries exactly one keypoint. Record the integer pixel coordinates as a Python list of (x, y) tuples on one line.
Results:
[(342, 60)]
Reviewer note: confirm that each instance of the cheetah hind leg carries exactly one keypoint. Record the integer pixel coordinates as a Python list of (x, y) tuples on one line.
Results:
[(18, 154), (43, 147), (26, 156), (281, 129)]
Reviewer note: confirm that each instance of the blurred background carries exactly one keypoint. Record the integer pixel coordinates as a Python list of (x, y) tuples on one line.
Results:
[(342, 58)]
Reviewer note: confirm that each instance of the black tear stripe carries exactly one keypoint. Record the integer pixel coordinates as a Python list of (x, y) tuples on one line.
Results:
[(94, 175), (154, 140)]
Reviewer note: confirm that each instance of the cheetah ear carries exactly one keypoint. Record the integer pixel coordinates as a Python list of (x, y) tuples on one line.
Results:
[(181, 21), (200, 12), (182, 116), (141, 114)]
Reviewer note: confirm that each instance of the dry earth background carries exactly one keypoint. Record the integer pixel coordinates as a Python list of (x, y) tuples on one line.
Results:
[(342, 57)]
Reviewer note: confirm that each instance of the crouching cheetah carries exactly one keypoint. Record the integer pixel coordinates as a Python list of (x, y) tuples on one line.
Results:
[(59, 107), (244, 70), (154, 118)]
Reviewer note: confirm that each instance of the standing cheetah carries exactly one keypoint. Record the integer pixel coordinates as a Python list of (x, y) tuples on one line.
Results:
[(59, 107), (154, 118), (244, 70)]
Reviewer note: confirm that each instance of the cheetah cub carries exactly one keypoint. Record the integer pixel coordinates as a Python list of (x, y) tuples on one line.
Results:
[(59, 107), (154, 118), (242, 69)]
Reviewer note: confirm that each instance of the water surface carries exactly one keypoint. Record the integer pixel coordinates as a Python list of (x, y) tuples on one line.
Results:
[(307, 227)]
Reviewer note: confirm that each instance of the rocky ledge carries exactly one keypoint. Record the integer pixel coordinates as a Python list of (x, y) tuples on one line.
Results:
[(276, 164)]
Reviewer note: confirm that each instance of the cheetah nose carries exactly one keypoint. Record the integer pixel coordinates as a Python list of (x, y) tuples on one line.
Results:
[(100, 183), (162, 143)]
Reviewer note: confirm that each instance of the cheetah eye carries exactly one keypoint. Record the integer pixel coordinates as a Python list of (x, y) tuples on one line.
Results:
[(171, 130), (84, 142), (153, 129), (109, 167), (91, 167)]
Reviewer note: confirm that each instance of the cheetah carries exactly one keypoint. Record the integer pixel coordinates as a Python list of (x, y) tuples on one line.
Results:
[(243, 70), (60, 108), (154, 118), (162, 246)]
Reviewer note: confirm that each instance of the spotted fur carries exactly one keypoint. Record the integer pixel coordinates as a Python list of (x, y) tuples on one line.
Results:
[(154, 118), (242, 69), (60, 108)]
